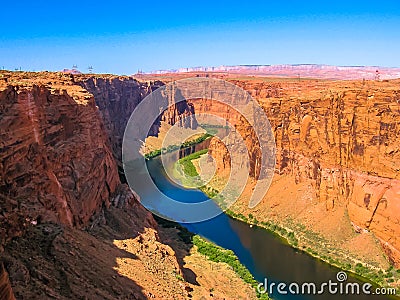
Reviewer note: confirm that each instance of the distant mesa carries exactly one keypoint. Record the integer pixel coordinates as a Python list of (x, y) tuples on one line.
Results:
[(298, 70)]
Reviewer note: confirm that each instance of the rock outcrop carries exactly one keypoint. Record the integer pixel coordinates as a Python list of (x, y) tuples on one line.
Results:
[(116, 98), (56, 163), (342, 138)]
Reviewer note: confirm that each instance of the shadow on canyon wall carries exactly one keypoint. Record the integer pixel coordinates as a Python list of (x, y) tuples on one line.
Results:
[(50, 261)]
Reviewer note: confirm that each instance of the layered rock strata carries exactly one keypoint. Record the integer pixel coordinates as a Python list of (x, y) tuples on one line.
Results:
[(117, 98), (59, 140), (341, 138)]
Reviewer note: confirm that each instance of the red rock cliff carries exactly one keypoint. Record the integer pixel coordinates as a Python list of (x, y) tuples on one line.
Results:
[(341, 137), (60, 146), (57, 145), (56, 164), (56, 158), (117, 97)]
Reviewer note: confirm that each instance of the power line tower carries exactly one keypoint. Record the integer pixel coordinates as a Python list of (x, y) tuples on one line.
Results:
[(74, 68), (377, 75), (90, 68), (139, 73)]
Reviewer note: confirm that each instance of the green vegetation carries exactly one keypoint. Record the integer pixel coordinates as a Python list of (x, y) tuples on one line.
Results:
[(186, 162), (196, 141), (172, 148), (211, 130), (326, 253), (152, 154), (190, 170), (212, 252), (322, 249), (218, 254), (209, 191), (178, 276)]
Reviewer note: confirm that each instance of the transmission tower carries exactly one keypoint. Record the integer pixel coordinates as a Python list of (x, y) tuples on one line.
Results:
[(377, 75)]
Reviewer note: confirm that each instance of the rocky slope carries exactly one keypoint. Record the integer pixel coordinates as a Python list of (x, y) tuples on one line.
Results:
[(68, 227), (122, 255), (336, 151)]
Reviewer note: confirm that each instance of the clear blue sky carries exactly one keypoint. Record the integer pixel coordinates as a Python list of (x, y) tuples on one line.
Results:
[(125, 36)]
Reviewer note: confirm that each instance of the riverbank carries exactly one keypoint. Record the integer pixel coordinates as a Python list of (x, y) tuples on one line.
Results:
[(298, 240), (184, 166), (307, 241), (172, 148), (215, 254), (210, 131)]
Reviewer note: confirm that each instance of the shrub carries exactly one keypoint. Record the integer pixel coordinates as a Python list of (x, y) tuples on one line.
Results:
[(187, 165), (218, 254), (171, 148)]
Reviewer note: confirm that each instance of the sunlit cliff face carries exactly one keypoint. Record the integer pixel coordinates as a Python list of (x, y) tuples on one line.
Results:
[(340, 138)]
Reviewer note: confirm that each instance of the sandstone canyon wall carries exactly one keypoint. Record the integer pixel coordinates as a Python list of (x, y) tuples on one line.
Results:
[(60, 150), (341, 139), (60, 135), (56, 162), (117, 97)]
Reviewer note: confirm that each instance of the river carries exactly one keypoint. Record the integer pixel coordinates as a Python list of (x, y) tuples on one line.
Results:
[(264, 254)]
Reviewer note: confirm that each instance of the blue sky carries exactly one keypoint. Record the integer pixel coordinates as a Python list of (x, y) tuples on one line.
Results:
[(126, 36)]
